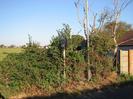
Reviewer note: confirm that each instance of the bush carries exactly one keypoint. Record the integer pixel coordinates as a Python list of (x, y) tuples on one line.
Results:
[(41, 67), (75, 65), (101, 46), (44, 68), (125, 77), (35, 66)]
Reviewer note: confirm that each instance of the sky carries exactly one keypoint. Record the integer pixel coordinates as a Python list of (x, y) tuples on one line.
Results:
[(41, 18)]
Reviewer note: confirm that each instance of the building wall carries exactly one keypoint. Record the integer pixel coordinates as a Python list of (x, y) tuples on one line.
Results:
[(124, 64), (124, 48), (130, 52), (125, 54)]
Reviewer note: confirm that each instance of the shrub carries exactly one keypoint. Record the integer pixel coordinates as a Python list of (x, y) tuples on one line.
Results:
[(101, 46), (35, 66)]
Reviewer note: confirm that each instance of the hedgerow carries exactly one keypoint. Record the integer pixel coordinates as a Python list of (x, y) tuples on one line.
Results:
[(43, 67)]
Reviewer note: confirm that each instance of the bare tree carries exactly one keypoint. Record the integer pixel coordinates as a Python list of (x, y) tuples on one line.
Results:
[(87, 27), (119, 6), (105, 17), (84, 23)]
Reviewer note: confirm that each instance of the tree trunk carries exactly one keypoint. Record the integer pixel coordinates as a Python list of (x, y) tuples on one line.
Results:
[(64, 63), (114, 38), (86, 33), (88, 62), (87, 40)]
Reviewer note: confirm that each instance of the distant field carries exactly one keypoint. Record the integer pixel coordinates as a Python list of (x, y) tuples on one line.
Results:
[(5, 51)]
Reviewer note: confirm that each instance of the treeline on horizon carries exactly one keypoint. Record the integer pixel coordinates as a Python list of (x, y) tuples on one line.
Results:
[(10, 46)]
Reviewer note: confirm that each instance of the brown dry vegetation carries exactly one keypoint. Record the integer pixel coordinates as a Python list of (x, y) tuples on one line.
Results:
[(72, 87)]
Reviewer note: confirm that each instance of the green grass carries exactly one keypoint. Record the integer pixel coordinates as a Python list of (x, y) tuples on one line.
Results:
[(5, 51)]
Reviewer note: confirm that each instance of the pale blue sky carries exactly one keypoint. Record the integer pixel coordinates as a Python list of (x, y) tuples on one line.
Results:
[(41, 18)]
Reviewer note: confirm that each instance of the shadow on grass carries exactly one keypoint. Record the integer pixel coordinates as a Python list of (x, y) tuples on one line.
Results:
[(115, 91)]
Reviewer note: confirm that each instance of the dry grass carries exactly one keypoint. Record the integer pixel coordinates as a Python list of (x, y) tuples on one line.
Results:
[(5, 51), (72, 87)]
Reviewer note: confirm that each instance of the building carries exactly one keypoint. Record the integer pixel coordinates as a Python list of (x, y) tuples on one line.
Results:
[(125, 53)]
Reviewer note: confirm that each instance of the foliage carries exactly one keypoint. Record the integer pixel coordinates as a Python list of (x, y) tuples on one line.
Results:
[(101, 47), (74, 60), (76, 41), (75, 65), (2, 46), (43, 67), (64, 36), (31, 67), (125, 77), (122, 28)]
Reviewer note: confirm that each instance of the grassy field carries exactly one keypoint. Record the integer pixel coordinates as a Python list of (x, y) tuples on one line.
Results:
[(5, 51)]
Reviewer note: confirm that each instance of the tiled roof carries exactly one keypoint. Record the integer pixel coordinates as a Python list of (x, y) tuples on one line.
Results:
[(127, 39)]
